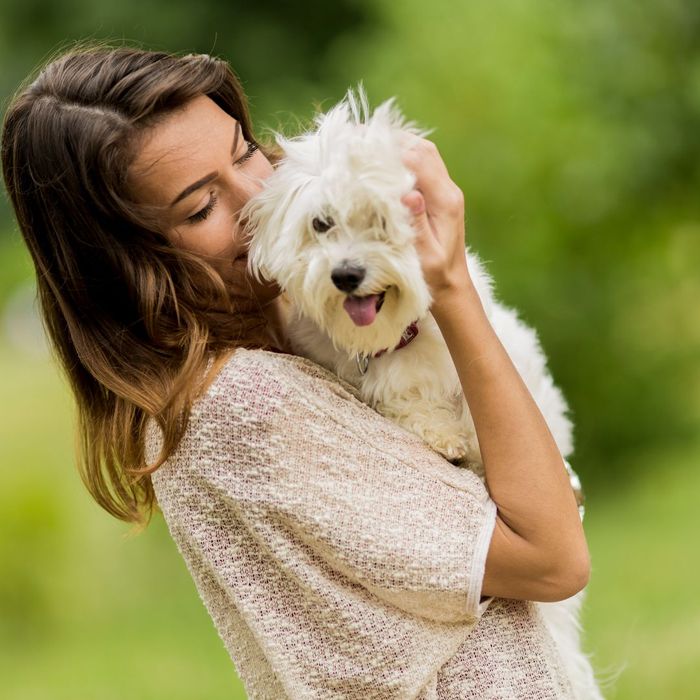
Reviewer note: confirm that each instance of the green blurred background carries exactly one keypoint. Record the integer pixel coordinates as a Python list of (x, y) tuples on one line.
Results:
[(574, 131)]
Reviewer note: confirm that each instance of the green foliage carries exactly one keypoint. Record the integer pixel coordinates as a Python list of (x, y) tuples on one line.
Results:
[(15, 265)]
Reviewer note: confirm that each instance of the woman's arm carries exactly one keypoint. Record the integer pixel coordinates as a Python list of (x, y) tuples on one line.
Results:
[(538, 550)]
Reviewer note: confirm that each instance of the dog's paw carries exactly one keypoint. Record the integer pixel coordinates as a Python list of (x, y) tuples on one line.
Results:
[(455, 453), (438, 426), (455, 446)]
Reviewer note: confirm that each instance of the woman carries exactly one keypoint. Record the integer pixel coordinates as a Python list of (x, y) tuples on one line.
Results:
[(338, 556)]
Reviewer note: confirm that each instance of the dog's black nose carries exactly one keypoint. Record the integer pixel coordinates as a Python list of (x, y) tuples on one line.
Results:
[(347, 277)]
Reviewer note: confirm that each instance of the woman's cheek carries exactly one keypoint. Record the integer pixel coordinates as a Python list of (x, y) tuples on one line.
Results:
[(215, 235)]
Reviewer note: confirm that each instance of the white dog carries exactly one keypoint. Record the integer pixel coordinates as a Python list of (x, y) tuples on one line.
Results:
[(329, 226)]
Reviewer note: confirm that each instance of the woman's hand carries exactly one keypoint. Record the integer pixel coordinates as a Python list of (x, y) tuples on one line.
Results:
[(437, 205)]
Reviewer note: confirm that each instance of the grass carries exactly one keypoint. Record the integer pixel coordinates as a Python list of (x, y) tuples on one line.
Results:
[(642, 609), (87, 613)]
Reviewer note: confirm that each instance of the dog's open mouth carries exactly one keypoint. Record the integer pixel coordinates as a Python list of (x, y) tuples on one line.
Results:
[(363, 310)]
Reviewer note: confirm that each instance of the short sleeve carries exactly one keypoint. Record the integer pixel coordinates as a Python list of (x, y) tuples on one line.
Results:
[(335, 480)]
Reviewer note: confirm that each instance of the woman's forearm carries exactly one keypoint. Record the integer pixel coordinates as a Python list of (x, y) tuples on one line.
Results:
[(524, 469)]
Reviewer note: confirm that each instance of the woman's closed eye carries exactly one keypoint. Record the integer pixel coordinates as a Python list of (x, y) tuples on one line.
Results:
[(207, 209), (252, 147), (204, 212)]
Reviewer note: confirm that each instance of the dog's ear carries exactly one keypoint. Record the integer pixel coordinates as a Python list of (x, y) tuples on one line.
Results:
[(256, 219), (266, 220)]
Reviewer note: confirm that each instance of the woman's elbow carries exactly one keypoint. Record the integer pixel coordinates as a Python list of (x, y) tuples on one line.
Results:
[(517, 568), (567, 578), (581, 572)]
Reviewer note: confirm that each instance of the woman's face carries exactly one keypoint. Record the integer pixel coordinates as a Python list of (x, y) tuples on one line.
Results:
[(197, 166)]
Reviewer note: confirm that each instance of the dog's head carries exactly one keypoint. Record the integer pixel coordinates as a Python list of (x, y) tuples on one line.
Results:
[(330, 228)]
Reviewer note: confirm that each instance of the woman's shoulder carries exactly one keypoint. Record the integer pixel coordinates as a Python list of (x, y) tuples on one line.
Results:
[(260, 378), (250, 390)]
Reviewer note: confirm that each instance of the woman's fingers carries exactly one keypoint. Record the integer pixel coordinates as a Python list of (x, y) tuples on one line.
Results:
[(431, 251), (437, 205), (426, 240), (414, 201), (425, 156), (444, 200)]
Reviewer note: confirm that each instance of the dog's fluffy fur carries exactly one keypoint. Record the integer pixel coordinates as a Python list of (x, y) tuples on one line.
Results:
[(333, 204)]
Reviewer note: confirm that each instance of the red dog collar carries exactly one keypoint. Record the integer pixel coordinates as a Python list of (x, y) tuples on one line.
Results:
[(406, 337)]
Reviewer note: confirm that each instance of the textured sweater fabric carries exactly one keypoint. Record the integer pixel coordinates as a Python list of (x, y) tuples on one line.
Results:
[(337, 554)]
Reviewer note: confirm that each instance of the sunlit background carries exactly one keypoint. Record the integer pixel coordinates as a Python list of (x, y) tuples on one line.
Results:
[(573, 129)]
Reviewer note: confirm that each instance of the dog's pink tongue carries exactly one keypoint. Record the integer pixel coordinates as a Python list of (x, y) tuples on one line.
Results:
[(362, 310)]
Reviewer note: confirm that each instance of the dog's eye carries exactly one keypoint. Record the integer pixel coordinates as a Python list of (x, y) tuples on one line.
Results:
[(322, 225)]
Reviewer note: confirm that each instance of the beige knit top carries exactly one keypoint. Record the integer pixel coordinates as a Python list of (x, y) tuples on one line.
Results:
[(337, 554)]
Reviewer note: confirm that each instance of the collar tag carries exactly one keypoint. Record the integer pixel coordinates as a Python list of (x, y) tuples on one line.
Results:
[(362, 363)]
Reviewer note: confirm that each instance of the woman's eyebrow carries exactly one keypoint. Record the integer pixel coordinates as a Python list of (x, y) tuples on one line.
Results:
[(207, 178)]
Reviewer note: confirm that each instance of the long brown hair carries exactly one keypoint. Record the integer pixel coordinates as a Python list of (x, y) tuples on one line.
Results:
[(133, 319)]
